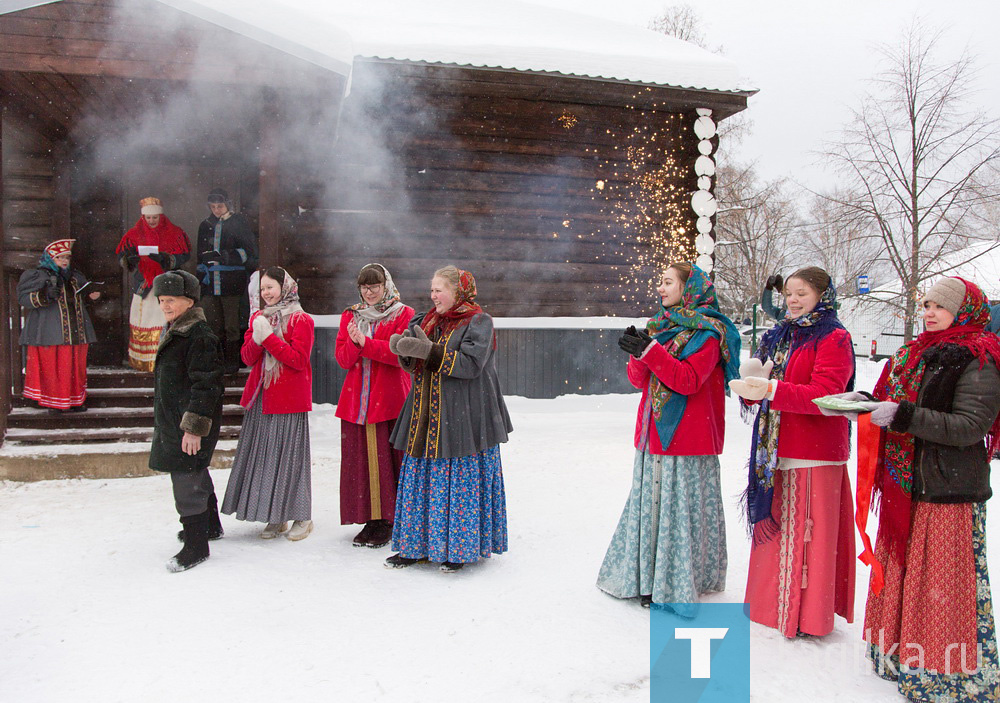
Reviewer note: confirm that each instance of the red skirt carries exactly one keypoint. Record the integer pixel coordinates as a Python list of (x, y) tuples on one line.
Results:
[(56, 377), (369, 472), (928, 603), (800, 578)]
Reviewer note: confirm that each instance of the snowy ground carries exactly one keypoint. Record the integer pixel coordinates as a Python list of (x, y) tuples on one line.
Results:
[(88, 612)]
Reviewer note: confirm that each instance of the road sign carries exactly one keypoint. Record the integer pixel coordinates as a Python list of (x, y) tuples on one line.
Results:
[(863, 284)]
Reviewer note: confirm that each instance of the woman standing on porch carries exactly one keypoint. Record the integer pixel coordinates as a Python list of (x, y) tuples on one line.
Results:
[(798, 500), (451, 506), (271, 479), (154, 245), (670, 544), (57, 330), (370, 401)]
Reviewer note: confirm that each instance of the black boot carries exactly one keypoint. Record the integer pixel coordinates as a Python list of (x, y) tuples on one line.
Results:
[(381, 535), (232, 358), (195, 548), (215, 530)]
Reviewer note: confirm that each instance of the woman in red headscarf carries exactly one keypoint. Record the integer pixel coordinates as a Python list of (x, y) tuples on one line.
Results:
[(929, 619), (154, 245), (56, 331), (450, 507)]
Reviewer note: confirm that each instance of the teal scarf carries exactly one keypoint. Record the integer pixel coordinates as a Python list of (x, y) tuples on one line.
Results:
[(683, 329)]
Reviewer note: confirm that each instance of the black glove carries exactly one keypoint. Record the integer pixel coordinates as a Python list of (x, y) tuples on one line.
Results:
[(53, 289), (131, 256), (634, 341), (161, 259), (774, 282), (211, 257)]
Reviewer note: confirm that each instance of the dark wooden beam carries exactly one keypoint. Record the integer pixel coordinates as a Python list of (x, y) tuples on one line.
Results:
[(5, 304), (269, 238)]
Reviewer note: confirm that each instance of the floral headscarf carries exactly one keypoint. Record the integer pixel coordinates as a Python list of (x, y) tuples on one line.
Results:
[(278, 315), (682, 329), (778, 345), (387, 308), (461, 311)]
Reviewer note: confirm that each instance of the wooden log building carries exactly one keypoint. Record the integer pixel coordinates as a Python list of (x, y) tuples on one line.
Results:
[(342, 150)]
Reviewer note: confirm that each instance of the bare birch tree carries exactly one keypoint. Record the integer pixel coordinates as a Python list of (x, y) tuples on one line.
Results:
[(919, 163)]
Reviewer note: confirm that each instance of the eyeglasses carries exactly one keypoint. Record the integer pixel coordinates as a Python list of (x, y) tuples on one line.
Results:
[(371, 289)]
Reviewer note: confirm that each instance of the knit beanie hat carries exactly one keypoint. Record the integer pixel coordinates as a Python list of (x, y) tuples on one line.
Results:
[(178, 284), (948, 293)]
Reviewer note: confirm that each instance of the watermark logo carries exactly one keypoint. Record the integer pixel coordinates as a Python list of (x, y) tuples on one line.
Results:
[(699, 653)]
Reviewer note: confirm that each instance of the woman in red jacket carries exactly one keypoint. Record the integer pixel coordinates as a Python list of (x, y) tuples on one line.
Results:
[(799, 502), (670, 544), (271, 478), (370, 401)]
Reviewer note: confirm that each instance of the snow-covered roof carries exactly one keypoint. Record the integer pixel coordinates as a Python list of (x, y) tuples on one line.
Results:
[(496, 34)]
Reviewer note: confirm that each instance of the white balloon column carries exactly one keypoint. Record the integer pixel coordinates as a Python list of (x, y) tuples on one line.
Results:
[(703, 201)]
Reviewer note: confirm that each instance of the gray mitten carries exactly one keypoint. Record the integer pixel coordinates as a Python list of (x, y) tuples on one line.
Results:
[(884, 413), (394, 341), (851, 415), (417, 346)]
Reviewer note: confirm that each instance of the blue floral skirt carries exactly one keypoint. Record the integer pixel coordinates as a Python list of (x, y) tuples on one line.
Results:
[(451, 509), (671, 539)]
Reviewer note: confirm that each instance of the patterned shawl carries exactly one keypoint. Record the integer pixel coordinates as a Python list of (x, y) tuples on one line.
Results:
[(278, 315), (166, 235), (901, 379), (683, 329), (385, 309), (461, 311), (778, 344)]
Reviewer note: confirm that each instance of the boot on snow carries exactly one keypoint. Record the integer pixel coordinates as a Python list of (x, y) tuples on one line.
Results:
[(195, 548)]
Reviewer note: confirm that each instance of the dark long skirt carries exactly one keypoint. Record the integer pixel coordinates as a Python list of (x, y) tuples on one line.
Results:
[(369, 472)]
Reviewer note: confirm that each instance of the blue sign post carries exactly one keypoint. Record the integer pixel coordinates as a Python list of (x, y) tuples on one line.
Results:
[(863, 284)]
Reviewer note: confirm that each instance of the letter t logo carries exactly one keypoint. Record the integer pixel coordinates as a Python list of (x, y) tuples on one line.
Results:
[(701, 647)]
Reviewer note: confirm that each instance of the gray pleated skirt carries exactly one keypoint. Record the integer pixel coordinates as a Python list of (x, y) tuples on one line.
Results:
[(271, 479)]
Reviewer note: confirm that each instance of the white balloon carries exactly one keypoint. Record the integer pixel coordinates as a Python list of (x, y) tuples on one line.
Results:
[(705, 263), (703, 203), (704, 183), (705, 147), (704, 128), (704, 112), (704, 225), (704, 244), (704, 166)]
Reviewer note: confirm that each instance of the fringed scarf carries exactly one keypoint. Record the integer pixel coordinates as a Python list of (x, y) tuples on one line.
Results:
[(278, 315), (682, 330), (168, 237), (437, 325), (901, 380), (387, 308), (778, 344)]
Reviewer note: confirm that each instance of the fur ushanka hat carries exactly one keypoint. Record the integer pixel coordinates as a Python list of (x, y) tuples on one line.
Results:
[(178, 284)]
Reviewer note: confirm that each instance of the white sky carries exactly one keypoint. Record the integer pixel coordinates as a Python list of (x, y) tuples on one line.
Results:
[(810, 60)]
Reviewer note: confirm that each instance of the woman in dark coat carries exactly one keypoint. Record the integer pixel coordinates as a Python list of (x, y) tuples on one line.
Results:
[(187, 411), (929, 618), (57, 330), (451, 506)]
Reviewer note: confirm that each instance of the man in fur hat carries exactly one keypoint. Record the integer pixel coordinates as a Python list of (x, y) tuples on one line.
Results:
[(187, 411), (227, 254)]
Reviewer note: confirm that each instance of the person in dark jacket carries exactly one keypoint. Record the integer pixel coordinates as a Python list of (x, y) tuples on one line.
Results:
[(451, 507), (187, 411), (227, 254), (929, 618), (56, 331)]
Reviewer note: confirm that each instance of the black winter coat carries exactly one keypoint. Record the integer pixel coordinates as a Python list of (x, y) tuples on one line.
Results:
[(955, 408), (237, 246), (188, 393)]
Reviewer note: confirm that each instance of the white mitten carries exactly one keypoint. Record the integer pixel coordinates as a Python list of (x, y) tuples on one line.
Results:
[(754, 367), (261, 329), (751, 387)]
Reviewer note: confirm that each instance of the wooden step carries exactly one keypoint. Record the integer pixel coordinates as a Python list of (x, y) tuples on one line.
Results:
[(122, 377), (38, 418), (125, 397), (99, 434)]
